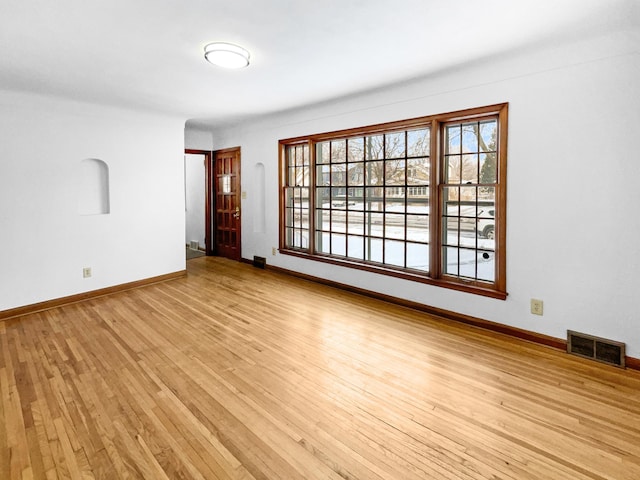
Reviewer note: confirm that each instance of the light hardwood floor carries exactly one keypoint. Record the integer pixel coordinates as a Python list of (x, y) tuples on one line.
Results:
[(239, 373)]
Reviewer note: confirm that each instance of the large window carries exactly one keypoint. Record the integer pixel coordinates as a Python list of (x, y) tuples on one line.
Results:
[(422, 199)]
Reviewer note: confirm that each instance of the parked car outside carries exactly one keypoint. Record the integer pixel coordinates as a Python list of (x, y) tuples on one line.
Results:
[(486, 223)]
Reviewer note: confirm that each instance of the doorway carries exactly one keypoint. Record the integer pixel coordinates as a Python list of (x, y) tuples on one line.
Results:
[(195, 167), (224, 183)]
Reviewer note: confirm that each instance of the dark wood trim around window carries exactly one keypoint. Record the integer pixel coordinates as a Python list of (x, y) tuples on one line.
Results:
[(479, 263)]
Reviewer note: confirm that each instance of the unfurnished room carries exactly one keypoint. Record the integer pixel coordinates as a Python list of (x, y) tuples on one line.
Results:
[(347, 240)]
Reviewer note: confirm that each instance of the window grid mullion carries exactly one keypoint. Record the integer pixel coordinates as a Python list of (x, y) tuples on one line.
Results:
[(384, 199), (435, 201), (330, 199), (312, 196), (406, 198)]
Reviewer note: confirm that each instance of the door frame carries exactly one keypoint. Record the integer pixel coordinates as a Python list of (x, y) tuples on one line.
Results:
[(208, 226)]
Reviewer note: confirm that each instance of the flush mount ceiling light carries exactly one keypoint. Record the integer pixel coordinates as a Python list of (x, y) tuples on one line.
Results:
[(226, 55)]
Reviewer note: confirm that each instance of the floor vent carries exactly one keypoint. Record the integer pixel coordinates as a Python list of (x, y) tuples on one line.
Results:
[(596, 348), (259, 262)]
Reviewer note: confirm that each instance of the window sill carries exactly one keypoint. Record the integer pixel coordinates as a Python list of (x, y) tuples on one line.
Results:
[(473, 287)]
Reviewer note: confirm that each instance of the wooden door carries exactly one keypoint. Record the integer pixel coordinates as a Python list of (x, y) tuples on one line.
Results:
[(226, 187)]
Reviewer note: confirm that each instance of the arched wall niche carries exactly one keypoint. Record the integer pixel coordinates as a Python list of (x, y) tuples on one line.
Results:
[(93, 198)]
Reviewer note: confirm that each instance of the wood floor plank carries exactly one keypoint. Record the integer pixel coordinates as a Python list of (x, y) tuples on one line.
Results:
[(239, 373)]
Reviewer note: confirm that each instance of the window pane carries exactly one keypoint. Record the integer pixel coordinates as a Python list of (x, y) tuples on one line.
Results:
[(355, 247), (305, 154), (470, 137), (374, 173), (339, 198), (356, 198), (289, 213), (486, 236), (418, 228), (323, 175), (338, 244), (394, 226), (452, 141), (323, 245), (293, 197), (356, 222), (418, 171), (355, 173), (418, 143), (469, 168), (305, 175), (289, 237), (374, 224), (323, 219), (304, 218), (418, 256), (467, 263), (451, 197), (418, 203), (356, 149), (394, 204), (338, 175), (296, 221), (467, 236), (488, 135), (339, 221), (450, 260), (395, 172), (322, 152), (452, 166), (488, 170), (338, 151), (291, 156), (374, 147), (322, 197), (373, 249), (300, 238), (374, 199), (486, 227), (297, 197), (487, 195), (394, 145), (451, 231), (468, 195), (298, 156), (486, 266), (394, 253)]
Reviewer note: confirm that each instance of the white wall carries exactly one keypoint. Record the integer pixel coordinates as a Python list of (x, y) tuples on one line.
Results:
[(196, 138), (195, 185), (44, 241), (573, 228)]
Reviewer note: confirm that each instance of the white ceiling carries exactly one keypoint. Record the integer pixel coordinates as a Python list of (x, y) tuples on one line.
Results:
[(149, 53)]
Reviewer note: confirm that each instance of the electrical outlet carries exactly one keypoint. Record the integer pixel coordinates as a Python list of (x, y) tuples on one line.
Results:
[(536, 306), (273, 250), (86, 272)]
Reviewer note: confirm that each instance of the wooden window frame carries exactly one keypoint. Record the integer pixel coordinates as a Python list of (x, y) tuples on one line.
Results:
[(435, 276)]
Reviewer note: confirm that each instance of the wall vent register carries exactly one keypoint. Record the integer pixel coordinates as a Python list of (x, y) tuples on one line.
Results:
[(596, 348)]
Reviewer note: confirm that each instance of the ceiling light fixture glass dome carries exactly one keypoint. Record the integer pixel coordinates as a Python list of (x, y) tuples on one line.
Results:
[(226, 55)]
